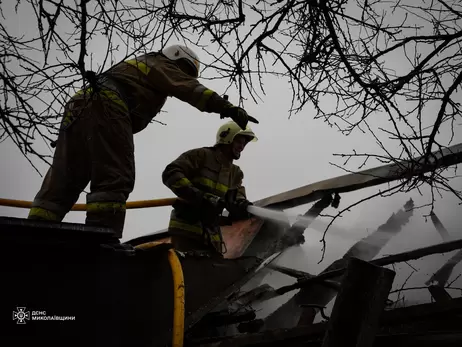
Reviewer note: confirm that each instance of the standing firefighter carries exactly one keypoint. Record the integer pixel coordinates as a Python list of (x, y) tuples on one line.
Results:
[(95, 143), (203, 178)]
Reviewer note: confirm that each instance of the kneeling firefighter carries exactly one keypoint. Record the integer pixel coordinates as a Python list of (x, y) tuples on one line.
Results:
[(95, 142), (206, 181)]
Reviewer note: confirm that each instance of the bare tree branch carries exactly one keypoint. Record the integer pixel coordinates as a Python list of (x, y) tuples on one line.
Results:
[(349, 63)]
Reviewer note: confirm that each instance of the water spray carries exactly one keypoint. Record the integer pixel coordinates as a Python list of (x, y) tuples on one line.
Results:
[(285, 217)]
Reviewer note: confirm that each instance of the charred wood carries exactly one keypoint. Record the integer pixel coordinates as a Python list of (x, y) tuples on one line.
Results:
[(359, 305), (424, 325), (395, 258), (438, 293), (319, 294), (440, 227)]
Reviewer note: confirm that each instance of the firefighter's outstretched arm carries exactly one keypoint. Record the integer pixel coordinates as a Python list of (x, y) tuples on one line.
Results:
[(169, 78)]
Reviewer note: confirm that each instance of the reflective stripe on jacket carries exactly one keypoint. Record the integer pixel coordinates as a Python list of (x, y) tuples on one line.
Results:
[(146, 81), (205, 169), (84, 95)]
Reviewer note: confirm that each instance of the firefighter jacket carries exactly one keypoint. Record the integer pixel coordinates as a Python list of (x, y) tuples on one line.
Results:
[(144, 83), (205, 171)]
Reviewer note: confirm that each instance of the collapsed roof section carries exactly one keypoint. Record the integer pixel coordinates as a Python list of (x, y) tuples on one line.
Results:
[(366, 178)]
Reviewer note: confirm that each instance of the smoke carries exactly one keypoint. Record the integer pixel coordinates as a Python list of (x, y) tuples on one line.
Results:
[(313, 224), (384, 226), (377, 230)]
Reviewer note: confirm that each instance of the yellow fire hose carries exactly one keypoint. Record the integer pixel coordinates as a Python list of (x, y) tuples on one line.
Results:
[(178, 293), (83, 207), (178, 299)]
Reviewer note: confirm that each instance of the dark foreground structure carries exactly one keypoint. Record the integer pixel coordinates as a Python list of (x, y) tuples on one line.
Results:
[(67, 284)]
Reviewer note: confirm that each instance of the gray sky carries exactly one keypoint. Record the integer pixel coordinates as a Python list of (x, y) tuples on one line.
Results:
[(289, 154)]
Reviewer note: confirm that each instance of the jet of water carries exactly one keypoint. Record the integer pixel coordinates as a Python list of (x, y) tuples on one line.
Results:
[(267, 213), (318, 225), (284, 217)]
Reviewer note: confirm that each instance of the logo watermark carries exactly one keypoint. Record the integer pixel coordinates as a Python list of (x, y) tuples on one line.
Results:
[(21, 316)]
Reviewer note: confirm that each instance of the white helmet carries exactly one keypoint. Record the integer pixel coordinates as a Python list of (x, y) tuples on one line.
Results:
[(177, 52), (228, 131)]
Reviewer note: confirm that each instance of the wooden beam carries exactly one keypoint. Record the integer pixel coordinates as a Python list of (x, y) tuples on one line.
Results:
[(395, 258), (442, 275), (440, 227), (407, 323), (246, 298), (439, 293), (365, 249), (419, 253), (362, 179), (359, 305), (290, 272), (422, 311)]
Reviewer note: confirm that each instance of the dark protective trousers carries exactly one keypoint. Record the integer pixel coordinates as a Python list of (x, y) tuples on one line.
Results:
[(95, 146)]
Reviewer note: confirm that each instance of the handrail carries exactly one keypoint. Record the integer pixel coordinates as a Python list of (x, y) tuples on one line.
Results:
[(83, 207)]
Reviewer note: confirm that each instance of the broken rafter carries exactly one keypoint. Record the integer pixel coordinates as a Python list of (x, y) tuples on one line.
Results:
[(248, 297), (365, 249), (439, 293), (359, 305), (290, 272), (419, 253), (422, 311), (440, 227), (442, 275), (371, 245), (410, 327), (395, 258), (362, 179)]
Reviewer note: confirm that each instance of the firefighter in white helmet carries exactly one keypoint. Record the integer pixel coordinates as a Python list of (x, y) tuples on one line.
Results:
[(95, 143), (202, 178)]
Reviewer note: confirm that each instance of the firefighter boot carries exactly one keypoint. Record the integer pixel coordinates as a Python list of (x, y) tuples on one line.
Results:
[(105, 209), (114, 219)]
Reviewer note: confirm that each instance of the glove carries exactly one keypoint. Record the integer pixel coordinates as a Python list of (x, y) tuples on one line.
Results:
[(213, 201), (211, 208), (238, 210), (237, 114)]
